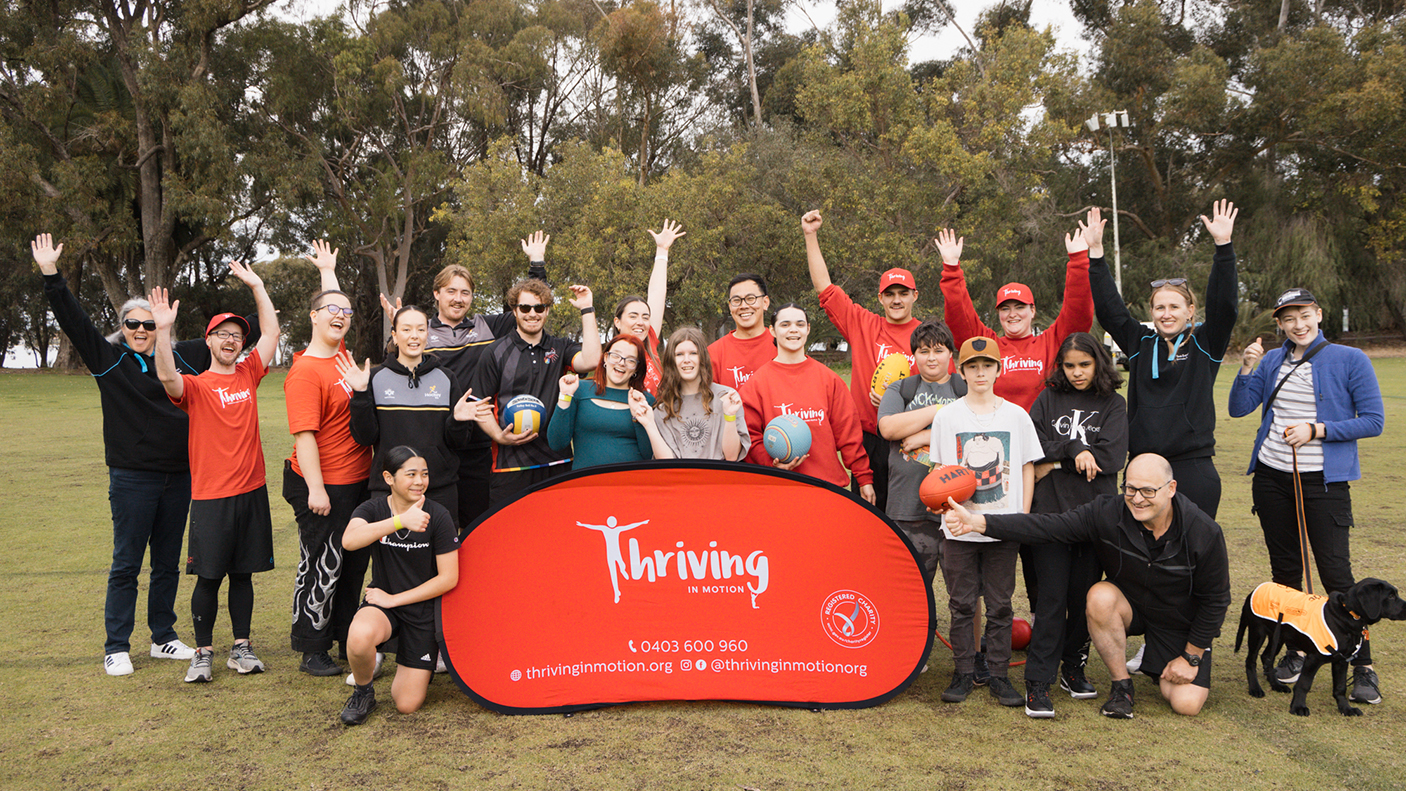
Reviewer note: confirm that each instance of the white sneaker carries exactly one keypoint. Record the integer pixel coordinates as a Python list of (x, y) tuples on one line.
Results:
[(118, 664), (172, 650), (1136, 661), (375, 672)]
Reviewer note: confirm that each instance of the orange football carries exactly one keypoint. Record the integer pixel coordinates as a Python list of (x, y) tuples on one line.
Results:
[(948, 480)]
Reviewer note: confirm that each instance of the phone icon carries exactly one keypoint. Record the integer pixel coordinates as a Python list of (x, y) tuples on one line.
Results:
[(632, 647)]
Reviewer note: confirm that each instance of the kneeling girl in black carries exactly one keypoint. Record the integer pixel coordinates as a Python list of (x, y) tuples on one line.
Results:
[(414, 561)]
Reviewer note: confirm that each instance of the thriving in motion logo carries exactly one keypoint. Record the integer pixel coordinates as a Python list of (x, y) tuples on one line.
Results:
[(613, 559), (712, 564)]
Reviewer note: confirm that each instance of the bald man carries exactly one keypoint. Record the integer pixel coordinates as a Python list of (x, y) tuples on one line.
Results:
[(1168, 579)]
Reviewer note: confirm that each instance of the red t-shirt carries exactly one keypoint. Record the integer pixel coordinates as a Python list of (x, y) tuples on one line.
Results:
[(734, 359), (1025, 362), (226, 456), (319, 401), (871, 338), (815, 394)]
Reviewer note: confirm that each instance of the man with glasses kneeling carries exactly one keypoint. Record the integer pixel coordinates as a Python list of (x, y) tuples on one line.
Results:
[(1168, 579)]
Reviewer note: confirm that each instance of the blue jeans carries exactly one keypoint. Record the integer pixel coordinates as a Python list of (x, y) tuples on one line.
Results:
[(148, 509)]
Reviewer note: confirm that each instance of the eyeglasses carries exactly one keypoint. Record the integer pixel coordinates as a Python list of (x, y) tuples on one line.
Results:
[(1171, 281), (226, 335), (526, 309), (620, 359), (148, 325), (749, 300), (336, 310), (1147, 492)]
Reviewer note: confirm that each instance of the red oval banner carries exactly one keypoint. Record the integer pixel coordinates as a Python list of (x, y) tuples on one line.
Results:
[(685, 581)]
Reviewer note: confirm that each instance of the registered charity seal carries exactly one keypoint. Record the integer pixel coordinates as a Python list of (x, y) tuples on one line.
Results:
[(850, 619)]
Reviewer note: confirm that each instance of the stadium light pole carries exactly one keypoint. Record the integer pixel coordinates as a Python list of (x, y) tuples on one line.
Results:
[(1112, 121)]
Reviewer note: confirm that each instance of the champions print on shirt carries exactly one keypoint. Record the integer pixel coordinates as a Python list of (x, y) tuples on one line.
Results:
[(988, 455)]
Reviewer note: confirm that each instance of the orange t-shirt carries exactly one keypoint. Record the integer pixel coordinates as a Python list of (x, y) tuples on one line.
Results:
[(319, 401), (226, 455)]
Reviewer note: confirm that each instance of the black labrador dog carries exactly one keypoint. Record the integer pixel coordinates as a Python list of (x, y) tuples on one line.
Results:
[(1332, 632)]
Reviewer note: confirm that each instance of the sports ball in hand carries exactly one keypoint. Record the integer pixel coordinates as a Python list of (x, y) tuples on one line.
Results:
[(949, 480), (786, 438), (890, 370), (523, 414), (1020, 634)]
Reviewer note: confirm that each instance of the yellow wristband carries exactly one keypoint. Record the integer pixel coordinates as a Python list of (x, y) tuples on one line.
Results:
[(395, 520), (565, 399), (730, 418)]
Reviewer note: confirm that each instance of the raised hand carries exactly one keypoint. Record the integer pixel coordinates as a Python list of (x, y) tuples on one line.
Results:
[(1092, 228), (163, 311), (732, 403), (467, 408), (1075, 242), (415, 518), (323, 256), (568, 383), (535, 246), (949, 246), (811, 222), (581, 297), (1222, 221), (246, 275), (1251, 356), (355, 378), (389, 309), (665, 238), (45, 254)]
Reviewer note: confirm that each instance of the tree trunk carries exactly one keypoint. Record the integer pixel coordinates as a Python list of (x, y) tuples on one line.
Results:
[(752, 67)]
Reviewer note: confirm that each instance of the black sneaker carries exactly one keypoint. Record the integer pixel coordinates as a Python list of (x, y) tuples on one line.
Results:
[(1037, 699), (959, 689), (982, 676), (1119, 705), (1004, 692), (1072, 681), (359, 706), (1365, 687), (319, 663), (1290, 666)]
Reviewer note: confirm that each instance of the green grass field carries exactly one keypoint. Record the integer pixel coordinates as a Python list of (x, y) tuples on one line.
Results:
[(68, 725)]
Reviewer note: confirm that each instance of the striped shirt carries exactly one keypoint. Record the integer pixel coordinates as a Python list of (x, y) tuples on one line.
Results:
[(1293, 405)]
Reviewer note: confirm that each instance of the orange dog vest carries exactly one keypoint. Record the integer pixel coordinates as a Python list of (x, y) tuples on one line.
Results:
[(1302, 612)]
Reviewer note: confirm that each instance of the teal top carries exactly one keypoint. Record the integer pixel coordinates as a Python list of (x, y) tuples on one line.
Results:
[(598, 434)]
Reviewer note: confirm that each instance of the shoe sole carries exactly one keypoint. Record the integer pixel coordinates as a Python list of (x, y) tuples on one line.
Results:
[(1113, 716), (953, 698), (235, 666), (326, 672), (1364, 700), (1288, 679), (198, 680), (1077, 695), (1039, 714), (355, 722), (126, 671), (157, 653)]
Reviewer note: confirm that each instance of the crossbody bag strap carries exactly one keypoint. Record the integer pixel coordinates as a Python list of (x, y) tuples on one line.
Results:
[(1306, 357)]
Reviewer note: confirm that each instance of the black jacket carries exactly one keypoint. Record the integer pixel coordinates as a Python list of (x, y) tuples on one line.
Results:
[(1068, 425), (142, 429), (1170, 410), (401, 407), (1185, 588)]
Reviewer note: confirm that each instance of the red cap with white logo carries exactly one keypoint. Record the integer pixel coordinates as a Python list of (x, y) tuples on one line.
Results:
[(897, 277), (224, 317), (1015, 291)]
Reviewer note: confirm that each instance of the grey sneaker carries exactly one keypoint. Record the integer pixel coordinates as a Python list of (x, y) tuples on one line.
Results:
[(1365, 687), (1119, 705), (1004, 692), (1290, 667), (242, 659), (359, 705), (200, 666), (375, 673)]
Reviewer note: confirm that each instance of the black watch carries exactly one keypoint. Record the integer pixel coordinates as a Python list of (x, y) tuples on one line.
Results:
[(1191, 659)]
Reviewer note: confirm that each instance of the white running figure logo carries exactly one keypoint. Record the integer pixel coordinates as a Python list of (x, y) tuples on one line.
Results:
[(613, 559)]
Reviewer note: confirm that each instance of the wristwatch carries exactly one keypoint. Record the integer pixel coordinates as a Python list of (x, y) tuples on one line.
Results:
[(1191, 659)]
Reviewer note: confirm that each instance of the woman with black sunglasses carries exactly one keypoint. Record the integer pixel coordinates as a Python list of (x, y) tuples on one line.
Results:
[(1172, 367), (144, 437)]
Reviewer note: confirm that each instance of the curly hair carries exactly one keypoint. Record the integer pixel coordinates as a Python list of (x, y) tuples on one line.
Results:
[(1106, 379)]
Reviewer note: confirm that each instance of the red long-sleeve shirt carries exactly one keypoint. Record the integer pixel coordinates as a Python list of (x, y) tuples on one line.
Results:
[(871, 338), (735, 359), (1025, 362), (815, 394)]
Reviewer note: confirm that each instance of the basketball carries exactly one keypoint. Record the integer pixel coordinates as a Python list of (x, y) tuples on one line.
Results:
[(523, 414), (890, 370), (787, 437), (949, 480), (1020, 634)]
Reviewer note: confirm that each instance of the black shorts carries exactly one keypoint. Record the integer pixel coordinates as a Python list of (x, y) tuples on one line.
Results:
[(412, 641), (1162, 646), (230, 535)]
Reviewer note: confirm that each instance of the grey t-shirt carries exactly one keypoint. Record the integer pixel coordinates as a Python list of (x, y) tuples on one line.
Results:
[(694, 434), (906, 474)]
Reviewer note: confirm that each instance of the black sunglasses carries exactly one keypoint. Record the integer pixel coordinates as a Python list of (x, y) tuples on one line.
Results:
[(148, 325), (526, 309)]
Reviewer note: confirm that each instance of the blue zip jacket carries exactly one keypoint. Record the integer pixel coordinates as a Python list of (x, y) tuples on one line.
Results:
[(1348, 401)]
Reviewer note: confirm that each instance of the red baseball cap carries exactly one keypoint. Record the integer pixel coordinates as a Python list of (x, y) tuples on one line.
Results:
[(224, 317), (897, 277), (1015, 291)]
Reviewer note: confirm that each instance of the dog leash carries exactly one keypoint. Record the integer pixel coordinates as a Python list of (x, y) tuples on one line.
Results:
[(1303, 526)]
